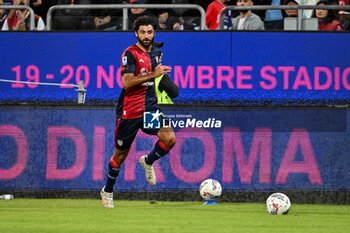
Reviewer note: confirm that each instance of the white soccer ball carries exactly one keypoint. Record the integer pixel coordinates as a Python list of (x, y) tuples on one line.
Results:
[(278, 203), (210, 189)]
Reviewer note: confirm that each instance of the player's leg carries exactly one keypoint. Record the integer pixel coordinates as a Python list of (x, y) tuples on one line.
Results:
[(166, 141), (124, 134), (114, 164), (112, 173)]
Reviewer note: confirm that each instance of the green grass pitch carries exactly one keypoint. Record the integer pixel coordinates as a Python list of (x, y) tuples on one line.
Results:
[(88, 215)]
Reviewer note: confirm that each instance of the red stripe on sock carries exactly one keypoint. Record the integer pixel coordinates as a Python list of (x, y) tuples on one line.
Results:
[(163, 146), (114, 163)]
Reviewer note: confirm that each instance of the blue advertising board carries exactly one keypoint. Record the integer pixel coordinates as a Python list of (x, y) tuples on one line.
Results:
[(224, 67), (254, 149)]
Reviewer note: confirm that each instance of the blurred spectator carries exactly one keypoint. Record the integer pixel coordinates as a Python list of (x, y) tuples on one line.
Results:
[(344, 16), (327, 20), (190, 19), (108, 19), (166, 17), (273, 18), (185, 23), (308, 13), (6, 12), (203, 3), (72, 19), (41, 7), (137, 12), (3, 14), (19, 20), (344, 19), (36, 3), (247, 20), (212, 19), (261, 13), (191, 12), (291, 13)]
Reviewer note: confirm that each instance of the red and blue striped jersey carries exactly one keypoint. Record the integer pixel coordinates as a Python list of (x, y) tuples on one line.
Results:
[(134, 101)]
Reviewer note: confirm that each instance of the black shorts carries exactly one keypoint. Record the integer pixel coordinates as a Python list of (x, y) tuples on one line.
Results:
[(126, 129)]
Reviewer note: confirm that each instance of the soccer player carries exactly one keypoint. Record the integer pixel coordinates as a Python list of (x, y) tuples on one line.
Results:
[(140, 66)]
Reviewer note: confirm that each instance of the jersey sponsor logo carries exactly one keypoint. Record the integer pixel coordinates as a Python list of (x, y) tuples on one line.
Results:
[(147, 84)]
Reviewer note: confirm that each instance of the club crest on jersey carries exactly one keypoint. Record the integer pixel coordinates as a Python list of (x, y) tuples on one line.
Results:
[(143, 71), (120, 142), (125, 60)]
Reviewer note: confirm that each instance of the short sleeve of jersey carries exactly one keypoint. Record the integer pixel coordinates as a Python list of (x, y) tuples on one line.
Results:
[(128, 63)]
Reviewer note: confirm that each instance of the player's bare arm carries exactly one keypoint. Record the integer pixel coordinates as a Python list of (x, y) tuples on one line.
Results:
[(129, 79)]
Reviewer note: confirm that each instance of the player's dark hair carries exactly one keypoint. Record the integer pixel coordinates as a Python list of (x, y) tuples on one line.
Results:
[(144, 21)]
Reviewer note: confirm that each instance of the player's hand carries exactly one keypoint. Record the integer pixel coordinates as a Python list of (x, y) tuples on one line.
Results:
[(159, 70)]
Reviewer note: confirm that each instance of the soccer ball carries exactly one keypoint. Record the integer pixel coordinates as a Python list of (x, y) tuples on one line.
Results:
[(210, 189), (278, 203)]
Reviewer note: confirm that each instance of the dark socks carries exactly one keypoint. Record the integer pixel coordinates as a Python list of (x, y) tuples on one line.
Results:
[(112, 175), (158, 151)]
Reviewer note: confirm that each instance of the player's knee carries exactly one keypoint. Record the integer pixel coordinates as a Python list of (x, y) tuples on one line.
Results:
[(170, 140), (120, 155)]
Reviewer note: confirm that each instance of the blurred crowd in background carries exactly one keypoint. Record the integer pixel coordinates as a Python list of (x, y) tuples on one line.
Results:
[(172, 19)]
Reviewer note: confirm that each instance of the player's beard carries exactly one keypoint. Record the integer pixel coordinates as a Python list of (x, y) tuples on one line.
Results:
[(145, 43)]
